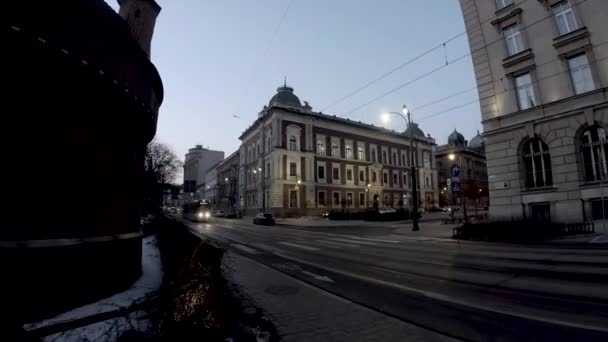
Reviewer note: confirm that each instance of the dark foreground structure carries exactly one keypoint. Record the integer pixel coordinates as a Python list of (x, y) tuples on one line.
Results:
[(81, 103)]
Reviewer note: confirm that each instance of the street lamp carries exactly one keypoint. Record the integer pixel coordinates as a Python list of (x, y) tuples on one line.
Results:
[(408, 121), (452, 157)]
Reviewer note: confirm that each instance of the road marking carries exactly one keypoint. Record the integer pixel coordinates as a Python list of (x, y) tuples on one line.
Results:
[(266, 248), (598, 239), (244, 248), (351, 241), (318, 277), (374, 239), (337, 244), (442, 297), (308, 248)]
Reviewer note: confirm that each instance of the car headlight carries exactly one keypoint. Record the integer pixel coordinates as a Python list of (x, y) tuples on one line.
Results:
[(207, 215), (200, 214)]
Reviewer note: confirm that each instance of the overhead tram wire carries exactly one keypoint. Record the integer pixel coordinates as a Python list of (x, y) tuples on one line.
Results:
[(404, 64), (450, 63), (511, 89)]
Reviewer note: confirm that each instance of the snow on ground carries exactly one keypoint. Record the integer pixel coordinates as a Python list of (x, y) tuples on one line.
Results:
[(148, 284)]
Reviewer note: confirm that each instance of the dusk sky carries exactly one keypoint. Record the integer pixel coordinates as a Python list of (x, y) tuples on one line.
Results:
[(221, 58)]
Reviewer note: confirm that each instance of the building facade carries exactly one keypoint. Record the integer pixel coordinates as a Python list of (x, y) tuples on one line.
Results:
[(227, 184), (197, 162), (294, 161), (542, 72), (469, 156), (209, 190)]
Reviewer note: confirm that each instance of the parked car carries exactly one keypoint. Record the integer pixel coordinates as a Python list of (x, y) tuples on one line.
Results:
[(264, 219), (436, 210), (219, 213)]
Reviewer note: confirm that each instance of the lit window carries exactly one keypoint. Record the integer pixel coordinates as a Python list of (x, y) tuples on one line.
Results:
[(581, 74), (514, 40), (564, 16), (525, 91), (321, 149), (349, 152)]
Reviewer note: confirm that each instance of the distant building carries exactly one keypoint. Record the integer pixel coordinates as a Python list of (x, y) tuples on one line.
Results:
[(542, 76), (469, 156), (294, 161), (198, 160), (227, 184), (209, 189)]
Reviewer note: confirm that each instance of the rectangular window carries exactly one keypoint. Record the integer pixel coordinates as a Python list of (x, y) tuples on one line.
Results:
[(361, 200), (564, 16), (384, 159), (361, 176), (335, 151), (599, 209), (404, 179), (293, 169), (525, 91), (374, 178), (349, 152), (336, 173), (336, 199), (426, 160), (321, 172), (349, 199), (321, 149), (360, 154), (514, 40), (394, 158), (395, 180), (321, 198), (503, 3), (374, 155), (293, 144), (385, 176), (581, 74), (293, 199), (349, 175)]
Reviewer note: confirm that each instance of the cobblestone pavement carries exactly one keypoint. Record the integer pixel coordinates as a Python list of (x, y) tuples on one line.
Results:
[(302, 312)]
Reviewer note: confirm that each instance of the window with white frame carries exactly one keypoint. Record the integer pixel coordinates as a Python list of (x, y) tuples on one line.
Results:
[(373, 153), (580, 72), (293, 169), (564, 16), (293, 143), (514, 40), (336, 173), (360, 154), (349, 174), (320, 148), (503, 3), (335, 151), (349, 152), (594, 151), (525, 91)]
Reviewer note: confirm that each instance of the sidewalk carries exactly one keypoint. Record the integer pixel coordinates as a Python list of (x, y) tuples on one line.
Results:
[(302, 312)]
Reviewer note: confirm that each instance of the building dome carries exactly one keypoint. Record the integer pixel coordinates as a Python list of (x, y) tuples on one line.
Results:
[(456, 139), (476, 142), (416, 131), (285, 97)]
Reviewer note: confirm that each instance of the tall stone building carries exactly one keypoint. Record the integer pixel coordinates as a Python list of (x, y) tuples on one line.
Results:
[(542, 71), (294, 161), (198, 161), (470, 157)]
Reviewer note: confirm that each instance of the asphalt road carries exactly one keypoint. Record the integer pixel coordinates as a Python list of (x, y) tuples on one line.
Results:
[(468, 290)]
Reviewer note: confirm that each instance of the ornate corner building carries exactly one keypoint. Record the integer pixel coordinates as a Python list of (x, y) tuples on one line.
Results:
[(294, 161), (542, 71)]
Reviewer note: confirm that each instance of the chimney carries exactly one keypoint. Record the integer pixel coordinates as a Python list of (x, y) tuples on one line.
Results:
[(140, 16)]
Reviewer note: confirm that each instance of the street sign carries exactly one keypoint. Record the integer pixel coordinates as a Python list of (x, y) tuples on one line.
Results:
[(456, 187), (455, 170)]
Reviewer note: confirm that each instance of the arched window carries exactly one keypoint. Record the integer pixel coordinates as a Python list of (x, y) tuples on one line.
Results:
[(537, 162), (594, 151), (293, 146)]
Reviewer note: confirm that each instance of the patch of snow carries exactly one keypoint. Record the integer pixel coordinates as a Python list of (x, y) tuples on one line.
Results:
[(148, 284)]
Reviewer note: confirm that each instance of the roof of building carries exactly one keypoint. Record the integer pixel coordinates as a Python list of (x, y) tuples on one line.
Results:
[(477, 141), (456, 139), (285, 99), (416, 131)]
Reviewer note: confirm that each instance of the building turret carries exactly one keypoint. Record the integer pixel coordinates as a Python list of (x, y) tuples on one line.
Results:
[(140, 16)]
